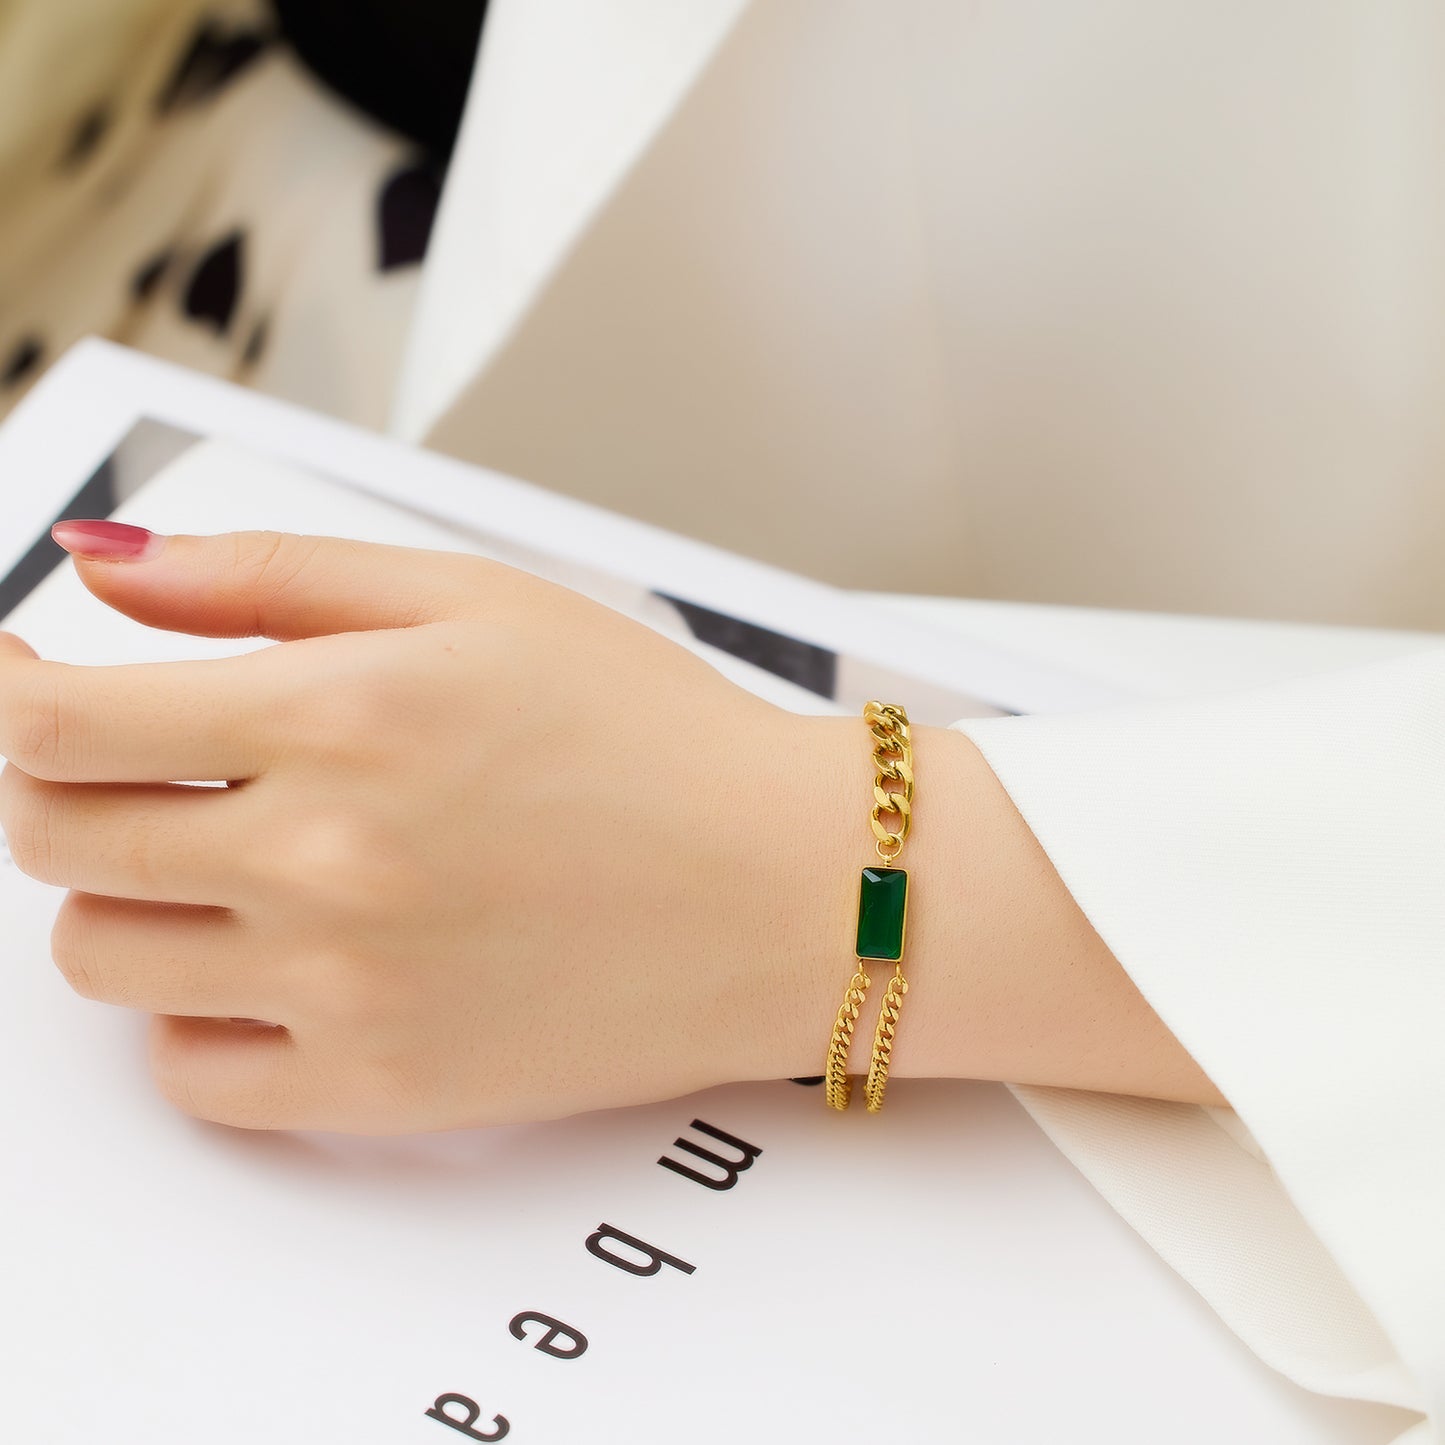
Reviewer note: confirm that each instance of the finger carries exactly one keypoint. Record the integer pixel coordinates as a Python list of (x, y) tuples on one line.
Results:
[(271, 584), (164, 844), (140, 722), (12, 646), (240, 1074), (198, 961)]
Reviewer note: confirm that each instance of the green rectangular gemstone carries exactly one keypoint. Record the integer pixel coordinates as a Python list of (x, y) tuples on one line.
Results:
[(882, 904)]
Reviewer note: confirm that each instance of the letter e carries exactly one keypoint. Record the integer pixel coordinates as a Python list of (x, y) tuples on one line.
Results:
[(555, 1328)]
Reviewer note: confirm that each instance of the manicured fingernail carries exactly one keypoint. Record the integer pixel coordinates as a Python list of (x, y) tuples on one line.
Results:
[(106, 541)]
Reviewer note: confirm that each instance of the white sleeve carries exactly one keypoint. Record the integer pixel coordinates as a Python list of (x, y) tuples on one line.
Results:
[(1269, 869)]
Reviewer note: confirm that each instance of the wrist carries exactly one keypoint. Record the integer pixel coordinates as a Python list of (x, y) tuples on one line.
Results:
[(1007, 978), (826, 840)]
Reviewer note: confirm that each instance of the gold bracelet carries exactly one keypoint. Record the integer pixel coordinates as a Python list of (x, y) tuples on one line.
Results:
[(882, 912)]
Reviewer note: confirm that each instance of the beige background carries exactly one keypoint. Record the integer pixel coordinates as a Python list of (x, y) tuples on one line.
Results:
[(1127, 304)]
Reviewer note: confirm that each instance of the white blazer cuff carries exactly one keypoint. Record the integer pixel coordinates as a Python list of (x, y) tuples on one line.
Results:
[(1268, 866)]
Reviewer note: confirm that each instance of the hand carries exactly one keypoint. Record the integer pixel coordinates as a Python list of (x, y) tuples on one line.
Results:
[(489, 852)]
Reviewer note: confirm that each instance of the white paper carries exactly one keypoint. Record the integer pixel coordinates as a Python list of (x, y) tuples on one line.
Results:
[(938, 1273)]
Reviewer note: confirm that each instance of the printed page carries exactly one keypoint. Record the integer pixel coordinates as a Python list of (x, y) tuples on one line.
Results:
[(743, 1264)]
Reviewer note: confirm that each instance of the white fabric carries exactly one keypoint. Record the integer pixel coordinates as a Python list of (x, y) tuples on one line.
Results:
[(1267, 867), (564, 99), (1158, 821), (1129, 304)]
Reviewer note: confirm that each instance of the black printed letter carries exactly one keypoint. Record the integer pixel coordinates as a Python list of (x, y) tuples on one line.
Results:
[(554, 1328), (655, 1257), (730, 1171), (474, 1410)]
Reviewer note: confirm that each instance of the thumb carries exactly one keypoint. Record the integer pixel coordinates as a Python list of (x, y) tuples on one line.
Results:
[(266, 584)]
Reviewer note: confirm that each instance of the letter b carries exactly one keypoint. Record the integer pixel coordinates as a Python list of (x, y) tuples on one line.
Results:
[(651, 1264)]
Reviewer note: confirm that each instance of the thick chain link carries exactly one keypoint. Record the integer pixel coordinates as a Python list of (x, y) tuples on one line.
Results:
[(893, 759)]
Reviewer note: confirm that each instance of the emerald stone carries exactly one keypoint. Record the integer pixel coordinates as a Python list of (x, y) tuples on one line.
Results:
[(882, 903)]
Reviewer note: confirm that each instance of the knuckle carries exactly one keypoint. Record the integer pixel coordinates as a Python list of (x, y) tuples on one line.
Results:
[(73, 947), (362, 713), (270, 560), (381, 1091), (172, 1079), (269, 563), (334, 859), (202, 1093), (180, 1084), (12, 782), (356, 720), (45, 739), (29, 830), (353, 992), (362, 1090), (326, 1093)]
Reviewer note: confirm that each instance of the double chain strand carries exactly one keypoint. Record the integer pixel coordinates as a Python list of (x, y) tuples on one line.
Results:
[(891, 819)]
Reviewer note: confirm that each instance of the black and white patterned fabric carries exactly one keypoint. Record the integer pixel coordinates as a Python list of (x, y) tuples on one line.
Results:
[(176, 179)]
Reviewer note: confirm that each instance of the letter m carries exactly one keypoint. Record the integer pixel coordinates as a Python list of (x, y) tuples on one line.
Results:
[(731, 1168)]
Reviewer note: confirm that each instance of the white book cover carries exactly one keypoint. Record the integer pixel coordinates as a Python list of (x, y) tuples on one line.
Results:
[(738, 1265)]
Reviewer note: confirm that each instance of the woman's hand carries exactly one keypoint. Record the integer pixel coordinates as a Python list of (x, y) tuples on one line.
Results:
[(489, 852), (492, 852)]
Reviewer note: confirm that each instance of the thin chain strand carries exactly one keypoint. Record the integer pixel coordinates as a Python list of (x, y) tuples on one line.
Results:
[(883, 1041), (838, 1087)]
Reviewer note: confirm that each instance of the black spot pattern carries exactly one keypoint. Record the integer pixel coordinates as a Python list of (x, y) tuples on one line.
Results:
[(213, 58), (406, 209), (22, 361), (148, 277), (215, 284), (811, 1080), (406, 63), (85, 139)]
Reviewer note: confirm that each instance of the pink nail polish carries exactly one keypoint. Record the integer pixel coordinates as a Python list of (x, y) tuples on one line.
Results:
[(101, 541)]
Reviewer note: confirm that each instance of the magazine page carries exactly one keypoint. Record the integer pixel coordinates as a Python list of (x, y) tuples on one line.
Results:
[(653, 1274)]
